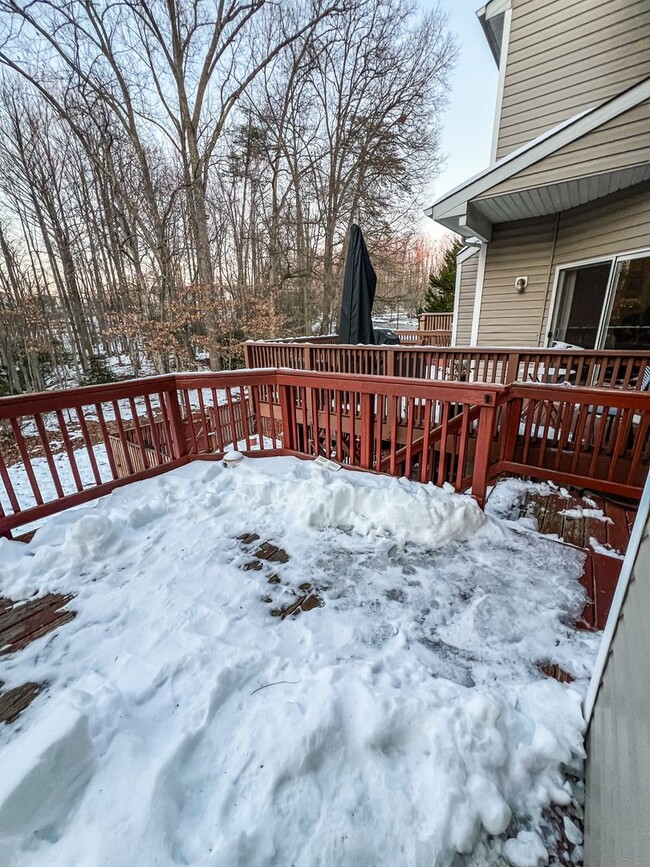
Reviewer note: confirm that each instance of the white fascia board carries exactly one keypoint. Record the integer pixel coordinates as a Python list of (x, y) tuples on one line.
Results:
[(546, 144), (494, 7)]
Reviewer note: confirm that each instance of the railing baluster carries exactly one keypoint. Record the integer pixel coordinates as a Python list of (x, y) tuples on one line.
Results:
[(6, 480), (123, 440), (216, 409), (22, 448), (145, 452), (107, 442), (233, 425), (69, 450), (154, 429)]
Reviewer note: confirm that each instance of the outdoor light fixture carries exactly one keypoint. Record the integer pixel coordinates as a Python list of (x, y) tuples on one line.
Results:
[(521, 283), (232, 459)]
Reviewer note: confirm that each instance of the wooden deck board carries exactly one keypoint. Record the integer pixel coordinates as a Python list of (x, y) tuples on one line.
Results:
[(601, 571), (22, 622)]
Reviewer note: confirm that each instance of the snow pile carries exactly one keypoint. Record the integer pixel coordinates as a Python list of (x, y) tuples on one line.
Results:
[(402, 722), (579, 513), (308, 497)]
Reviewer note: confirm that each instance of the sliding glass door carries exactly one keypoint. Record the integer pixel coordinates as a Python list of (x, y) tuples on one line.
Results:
[(628, 322), (581, 298), (604, 305)]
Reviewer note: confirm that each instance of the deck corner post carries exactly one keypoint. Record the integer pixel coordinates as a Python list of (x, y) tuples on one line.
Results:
[(483, 453), (179, 440), (390, 362), (287, 413), (512, 368), (248, 361), (367, 430), (514, 408)]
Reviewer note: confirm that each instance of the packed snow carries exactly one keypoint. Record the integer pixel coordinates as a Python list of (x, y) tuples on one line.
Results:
[(404, 721)]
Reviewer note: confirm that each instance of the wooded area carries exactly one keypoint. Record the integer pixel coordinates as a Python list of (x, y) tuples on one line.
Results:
[(178, 176)]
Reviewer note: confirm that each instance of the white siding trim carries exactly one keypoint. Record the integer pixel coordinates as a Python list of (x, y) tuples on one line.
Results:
[(454, 322), (465, 253), (478, 295), (503, 60)]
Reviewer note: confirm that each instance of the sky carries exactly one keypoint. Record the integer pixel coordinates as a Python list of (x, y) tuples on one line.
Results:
[(467, 124)]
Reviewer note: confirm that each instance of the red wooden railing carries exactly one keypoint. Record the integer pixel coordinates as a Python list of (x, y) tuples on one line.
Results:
[(593, 438), (87, 441), (60, 449), (591, 368), (438, 337), (435, 321)]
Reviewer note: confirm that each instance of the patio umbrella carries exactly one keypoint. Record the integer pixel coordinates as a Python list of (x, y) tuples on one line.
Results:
[(359, 282)]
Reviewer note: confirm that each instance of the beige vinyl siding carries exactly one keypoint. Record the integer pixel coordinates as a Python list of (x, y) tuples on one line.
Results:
[(617, 808), (521, 249), (607, 227), (467, 293), (537, 248), (565, 56), (620, 143)]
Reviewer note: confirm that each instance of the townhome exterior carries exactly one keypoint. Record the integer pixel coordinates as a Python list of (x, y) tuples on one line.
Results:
[(558, 226)]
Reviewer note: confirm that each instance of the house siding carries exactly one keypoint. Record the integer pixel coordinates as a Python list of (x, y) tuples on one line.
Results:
[(517, 249), (467, 293), (620, 143), (617, 813), (565, 56), (536, 248), (607, 227)]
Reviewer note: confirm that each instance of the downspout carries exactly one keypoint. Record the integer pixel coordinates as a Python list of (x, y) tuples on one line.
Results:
[(548, 282)]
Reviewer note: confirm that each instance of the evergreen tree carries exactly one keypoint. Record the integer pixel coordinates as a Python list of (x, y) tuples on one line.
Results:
[(439, 297)]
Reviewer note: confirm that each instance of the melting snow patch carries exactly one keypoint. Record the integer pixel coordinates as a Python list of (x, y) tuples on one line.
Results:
[(402, 722)]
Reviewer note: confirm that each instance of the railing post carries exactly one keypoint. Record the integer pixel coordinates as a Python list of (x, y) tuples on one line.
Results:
[(367, 430), (512, 368), (179, 440), (287, 413), (482, 455), (390, 362), (248, 362), (512, 422), (306, 357)]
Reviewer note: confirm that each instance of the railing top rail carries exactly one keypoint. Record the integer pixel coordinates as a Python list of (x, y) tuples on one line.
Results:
[(461, 392), (624, 399), (469, 350), (49, 401)]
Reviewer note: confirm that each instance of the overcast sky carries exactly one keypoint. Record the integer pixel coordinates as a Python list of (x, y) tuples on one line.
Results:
[(467, 124)]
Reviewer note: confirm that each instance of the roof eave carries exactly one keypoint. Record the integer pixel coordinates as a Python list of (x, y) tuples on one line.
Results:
[(492, 39), (459, 201)]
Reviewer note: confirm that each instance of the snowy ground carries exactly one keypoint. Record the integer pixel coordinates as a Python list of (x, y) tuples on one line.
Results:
[(403, 722)]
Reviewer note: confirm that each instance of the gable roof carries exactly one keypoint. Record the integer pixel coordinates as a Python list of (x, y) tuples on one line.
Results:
[(464, 209)]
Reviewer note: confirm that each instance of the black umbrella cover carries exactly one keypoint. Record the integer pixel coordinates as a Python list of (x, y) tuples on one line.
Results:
[(359, 283)]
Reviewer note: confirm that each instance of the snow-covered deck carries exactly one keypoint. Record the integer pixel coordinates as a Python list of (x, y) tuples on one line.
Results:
[(401, 718)]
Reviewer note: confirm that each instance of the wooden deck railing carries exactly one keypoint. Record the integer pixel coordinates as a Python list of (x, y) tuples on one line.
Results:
[(60, 449), (590, 368), (440, 337), (435, 321)]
